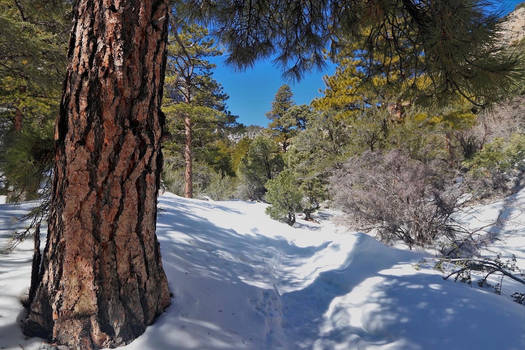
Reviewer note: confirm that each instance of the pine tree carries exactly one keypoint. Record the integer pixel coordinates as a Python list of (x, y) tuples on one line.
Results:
[(322, 144), (195, 102), (286, 118), (314, 190), (385, 110), (101, 281), (33, 37), (262, 162), (453, 42), (284, 197)]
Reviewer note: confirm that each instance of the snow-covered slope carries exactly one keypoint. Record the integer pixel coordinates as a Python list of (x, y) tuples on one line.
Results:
[(243, 281)]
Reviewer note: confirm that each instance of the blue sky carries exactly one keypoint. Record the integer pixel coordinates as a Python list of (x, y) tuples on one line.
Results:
[(252, 91)]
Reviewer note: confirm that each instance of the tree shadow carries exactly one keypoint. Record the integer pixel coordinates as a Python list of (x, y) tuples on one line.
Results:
[(13, 219), (226, 284), (10, 219), (304, 309), (177, 202), (505, 214), (241, 290), (251, 268), (223, 254), (489, 230), (308, 226), (11, 336), (228, 293), (417, 312)]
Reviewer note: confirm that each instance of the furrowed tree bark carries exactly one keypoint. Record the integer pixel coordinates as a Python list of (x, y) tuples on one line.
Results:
[(101, 278), (35, 267), (188, 173), (18, 120)]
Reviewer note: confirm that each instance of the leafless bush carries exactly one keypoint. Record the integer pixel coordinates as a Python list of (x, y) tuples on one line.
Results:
[(485, 266), (479, 269), (401, 198)]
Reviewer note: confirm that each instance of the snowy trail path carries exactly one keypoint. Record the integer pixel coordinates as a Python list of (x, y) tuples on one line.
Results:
[(243, 281), (227, 248)]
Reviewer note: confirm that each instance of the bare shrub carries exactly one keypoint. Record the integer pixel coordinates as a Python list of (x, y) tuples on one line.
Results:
[(401, 198)]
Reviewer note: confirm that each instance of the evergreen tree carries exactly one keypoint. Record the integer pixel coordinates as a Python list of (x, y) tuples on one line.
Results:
[(284, 197), (324, 143), (453, 42), (239, 151), (286, 117), (33, 37), (261, 163), (380, 111), (101, 281), (281, 103), (343, 95), (194, 102), (314, 190)]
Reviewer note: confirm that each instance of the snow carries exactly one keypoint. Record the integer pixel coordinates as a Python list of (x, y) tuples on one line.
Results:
[(243, 281), (506, 236)]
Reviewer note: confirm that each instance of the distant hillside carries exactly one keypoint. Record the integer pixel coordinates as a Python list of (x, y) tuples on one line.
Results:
[(513, 26), (250, 131)]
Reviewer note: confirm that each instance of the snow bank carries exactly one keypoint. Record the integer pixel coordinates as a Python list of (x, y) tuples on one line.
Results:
[(243, 281)]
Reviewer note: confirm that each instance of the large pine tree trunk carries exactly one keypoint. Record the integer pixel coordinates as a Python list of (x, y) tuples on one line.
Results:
[(188, 172), (101, 281)]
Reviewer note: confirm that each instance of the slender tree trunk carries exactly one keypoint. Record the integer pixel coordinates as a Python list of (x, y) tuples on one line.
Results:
[(285, 144), (188, 174), (101, 280), (18, 120)]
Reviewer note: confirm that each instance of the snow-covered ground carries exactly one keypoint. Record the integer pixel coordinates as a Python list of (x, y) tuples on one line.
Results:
[(243, 281)]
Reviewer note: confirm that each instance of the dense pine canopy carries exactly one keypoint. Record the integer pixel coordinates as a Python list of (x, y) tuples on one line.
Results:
[(453, 42)]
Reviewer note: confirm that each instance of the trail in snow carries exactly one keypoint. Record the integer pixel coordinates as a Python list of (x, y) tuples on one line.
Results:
[(243, 281)]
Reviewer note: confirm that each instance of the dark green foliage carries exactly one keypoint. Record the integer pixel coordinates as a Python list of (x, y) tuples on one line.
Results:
[(191, 91), (453, 42), (27, 162), (218, 155), (287, 119), (284, 196), (261, 163), (498, 167), (33, 39), (314, 154), (314, 191), (195, 106), (281, 103), (324, 143)]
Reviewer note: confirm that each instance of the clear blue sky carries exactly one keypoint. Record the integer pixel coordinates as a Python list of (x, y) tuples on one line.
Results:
[(252, 91)]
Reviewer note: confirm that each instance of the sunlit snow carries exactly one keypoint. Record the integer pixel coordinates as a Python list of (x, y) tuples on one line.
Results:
[(243, 281)]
